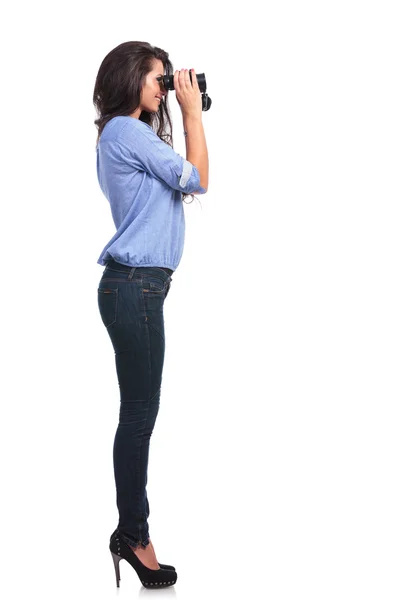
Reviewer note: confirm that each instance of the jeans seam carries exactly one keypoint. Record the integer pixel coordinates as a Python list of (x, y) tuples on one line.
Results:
[(149, 383)]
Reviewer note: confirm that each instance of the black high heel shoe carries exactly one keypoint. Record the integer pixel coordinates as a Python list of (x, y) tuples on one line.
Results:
[(115, 532), (163, 577)]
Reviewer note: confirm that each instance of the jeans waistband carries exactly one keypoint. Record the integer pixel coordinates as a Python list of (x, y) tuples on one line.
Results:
[(121, 267)]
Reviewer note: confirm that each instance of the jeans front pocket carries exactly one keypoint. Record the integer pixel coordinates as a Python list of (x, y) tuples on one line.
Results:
[(167, 288), (107, 299), (153, 285)]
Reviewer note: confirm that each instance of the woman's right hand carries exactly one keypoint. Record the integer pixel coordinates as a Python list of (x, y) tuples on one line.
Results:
[(188, 93)]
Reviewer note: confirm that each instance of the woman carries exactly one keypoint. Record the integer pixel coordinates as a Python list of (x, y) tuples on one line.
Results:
[(145, 181)]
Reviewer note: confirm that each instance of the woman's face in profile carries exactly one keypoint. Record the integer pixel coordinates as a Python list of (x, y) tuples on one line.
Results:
[(152, 90)]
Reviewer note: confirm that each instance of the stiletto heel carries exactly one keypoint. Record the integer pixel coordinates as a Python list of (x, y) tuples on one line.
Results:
[(116, 560), (149, 577)]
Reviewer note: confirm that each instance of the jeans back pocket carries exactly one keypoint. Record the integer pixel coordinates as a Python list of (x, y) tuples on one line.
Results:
[(107, 299)]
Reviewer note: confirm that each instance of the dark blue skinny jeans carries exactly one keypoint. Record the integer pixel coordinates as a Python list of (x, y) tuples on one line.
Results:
[(131, 301)]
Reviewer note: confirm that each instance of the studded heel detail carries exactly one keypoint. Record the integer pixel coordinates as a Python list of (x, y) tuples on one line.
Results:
[(163, 577)]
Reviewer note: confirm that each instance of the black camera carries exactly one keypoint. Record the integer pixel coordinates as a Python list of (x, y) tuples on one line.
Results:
[(168, 82)]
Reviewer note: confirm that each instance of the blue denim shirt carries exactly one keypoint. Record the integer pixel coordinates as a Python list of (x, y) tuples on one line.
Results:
[(143, 178)]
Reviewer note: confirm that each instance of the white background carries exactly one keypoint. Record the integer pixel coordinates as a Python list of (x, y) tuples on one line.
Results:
[(274, 462)]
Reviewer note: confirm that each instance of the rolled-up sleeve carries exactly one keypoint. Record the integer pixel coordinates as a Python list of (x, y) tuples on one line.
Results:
[(145, 151)]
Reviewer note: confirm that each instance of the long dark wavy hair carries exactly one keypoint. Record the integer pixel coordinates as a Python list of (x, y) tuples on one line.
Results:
[(118, 85)]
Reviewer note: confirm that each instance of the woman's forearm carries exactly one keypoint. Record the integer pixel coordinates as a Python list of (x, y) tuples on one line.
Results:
[(196, 146)]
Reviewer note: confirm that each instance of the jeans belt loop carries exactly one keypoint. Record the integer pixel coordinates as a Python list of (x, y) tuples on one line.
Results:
[(131, 272)]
